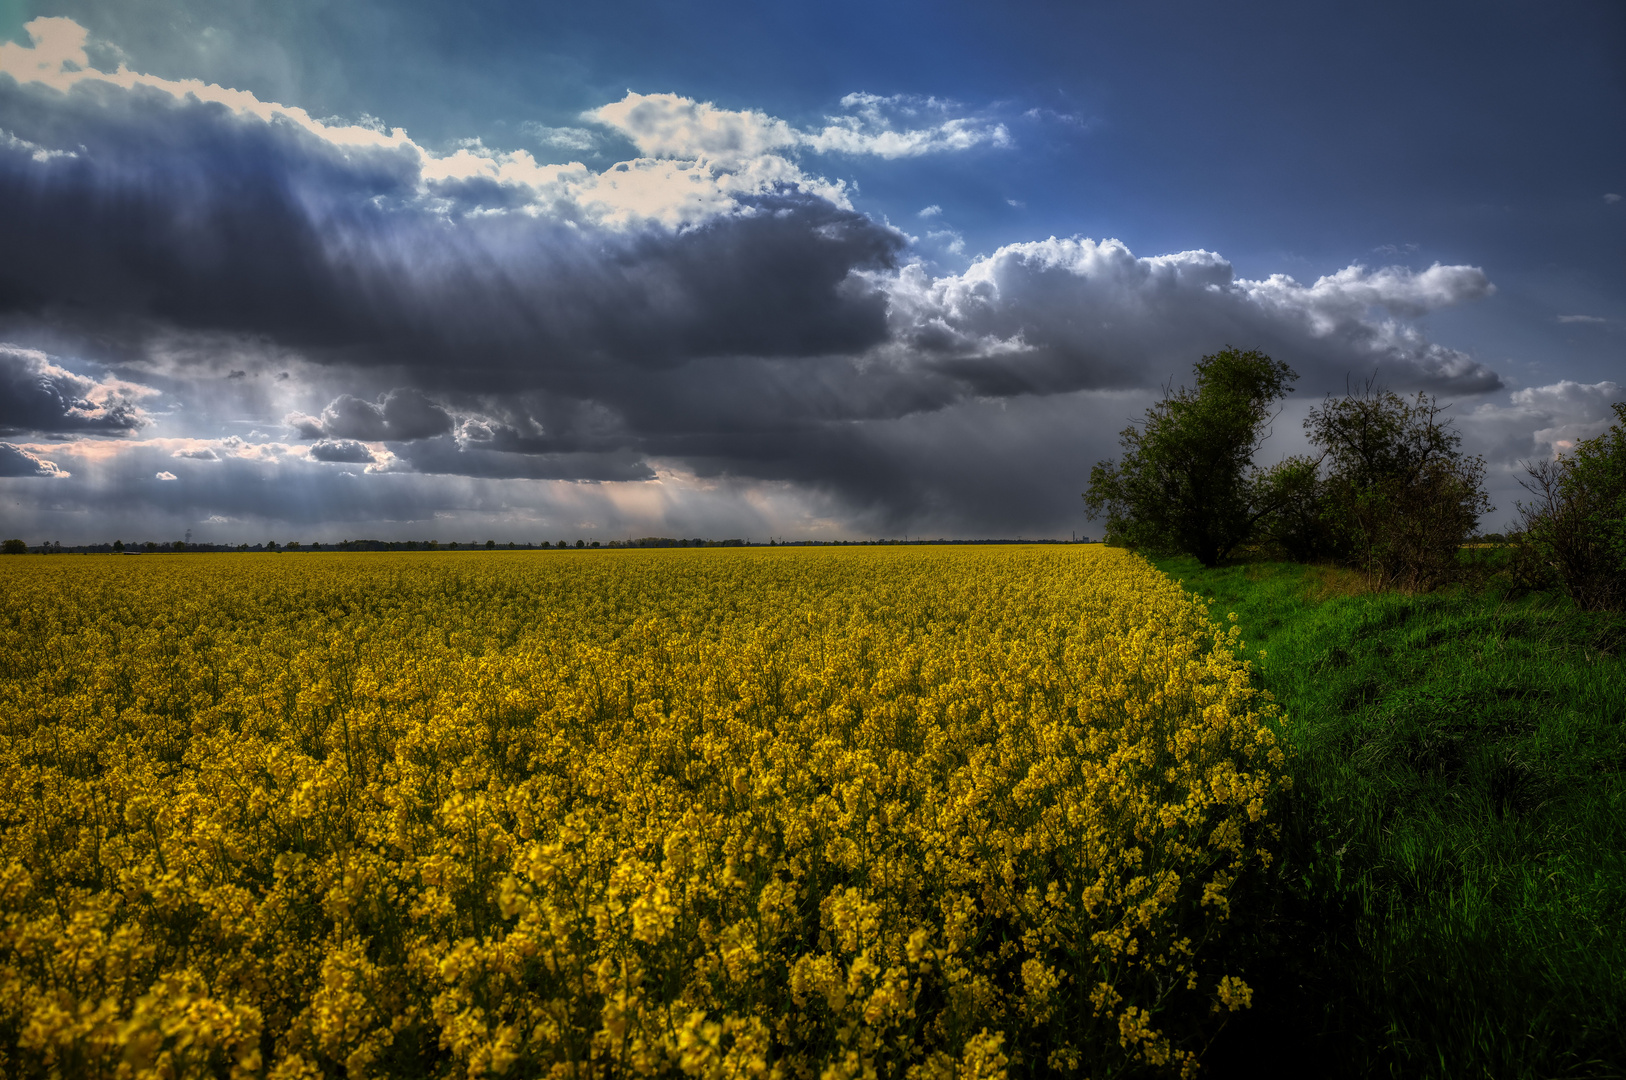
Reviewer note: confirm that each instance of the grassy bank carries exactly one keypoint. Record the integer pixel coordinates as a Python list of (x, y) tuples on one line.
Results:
[(1452, 901)]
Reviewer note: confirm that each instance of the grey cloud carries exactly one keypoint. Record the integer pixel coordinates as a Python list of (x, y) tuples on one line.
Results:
[(266, 492), (1060, 315), (121, 494), (186, 214), (401, 415), (17, 462), (38, 395), (775, 341), (1538, 421), (446, 456), (342, 450)]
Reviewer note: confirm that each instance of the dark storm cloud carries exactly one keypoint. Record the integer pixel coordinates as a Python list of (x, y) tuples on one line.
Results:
[(400, 415), (42, 397), (488, 318), (191, 215), (346, 451), (446, 456), (15, 461)]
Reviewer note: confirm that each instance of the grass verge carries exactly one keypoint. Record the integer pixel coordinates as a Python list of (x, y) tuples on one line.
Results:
[(1452, 896)]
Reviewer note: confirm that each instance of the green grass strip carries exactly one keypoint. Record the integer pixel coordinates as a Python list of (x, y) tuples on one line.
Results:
[(1452, 897)]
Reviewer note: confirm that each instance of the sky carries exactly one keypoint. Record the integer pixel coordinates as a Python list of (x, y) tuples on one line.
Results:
[(538, 271)]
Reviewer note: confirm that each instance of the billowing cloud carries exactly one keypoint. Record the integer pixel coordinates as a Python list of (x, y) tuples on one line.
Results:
[(15, 461), (1053, 316), (400, 415), (710, 323), (41, 396), (342, 450), (362, 248), (1541, 421)]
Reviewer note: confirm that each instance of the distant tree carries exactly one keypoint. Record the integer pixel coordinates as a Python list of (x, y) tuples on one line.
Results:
[(178, 545), (13, 547), (1400, 496), (150, 546), (491, 545), (1186, 481), (1575, 530), (118, 545), (580, 544)]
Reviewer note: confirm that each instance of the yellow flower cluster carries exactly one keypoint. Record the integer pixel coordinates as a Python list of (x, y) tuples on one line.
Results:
[(821, 813)]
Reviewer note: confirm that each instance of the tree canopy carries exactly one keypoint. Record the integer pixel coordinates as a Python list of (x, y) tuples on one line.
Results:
[(1186, 481)]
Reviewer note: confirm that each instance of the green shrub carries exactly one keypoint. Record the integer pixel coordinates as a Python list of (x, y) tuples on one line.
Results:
[(1575, 530)]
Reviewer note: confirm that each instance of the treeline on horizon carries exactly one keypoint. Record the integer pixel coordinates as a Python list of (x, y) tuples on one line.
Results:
[(1388, 492), (151, 547)]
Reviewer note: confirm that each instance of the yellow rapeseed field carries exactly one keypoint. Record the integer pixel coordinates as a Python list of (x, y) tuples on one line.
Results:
[(820, 813)]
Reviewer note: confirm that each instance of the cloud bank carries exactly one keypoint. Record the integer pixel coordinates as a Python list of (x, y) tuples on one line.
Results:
[(709, 327)]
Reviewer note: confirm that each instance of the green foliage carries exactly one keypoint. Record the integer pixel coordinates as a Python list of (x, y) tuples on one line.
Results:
[(1575, 530), (1186, 481), (1453, 884), (13, 547), (1296, 523), (1399, 497)]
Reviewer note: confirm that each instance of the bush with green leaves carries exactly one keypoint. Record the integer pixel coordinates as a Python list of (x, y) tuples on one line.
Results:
[(1575, 530), (1186, 483), (1399, 496)]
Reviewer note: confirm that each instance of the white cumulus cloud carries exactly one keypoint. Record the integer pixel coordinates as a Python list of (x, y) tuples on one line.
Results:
[(1060, 314), (1541, 421)]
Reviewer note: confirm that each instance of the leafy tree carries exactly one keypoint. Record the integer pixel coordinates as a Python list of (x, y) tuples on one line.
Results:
[(14, 547), (1186, 481), (1296, 523), (1400, 497), (1575, 531)]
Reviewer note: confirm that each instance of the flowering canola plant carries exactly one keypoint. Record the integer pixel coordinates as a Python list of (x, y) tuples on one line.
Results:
[(822, 813)]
